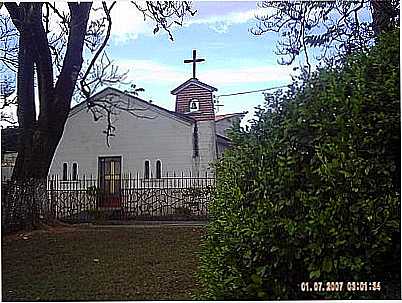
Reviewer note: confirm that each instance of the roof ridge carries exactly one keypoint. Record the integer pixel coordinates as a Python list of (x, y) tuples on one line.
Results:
[(192, 81), (182, 117)]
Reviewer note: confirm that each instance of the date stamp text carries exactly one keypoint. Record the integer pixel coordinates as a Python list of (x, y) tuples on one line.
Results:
[(340, 286)]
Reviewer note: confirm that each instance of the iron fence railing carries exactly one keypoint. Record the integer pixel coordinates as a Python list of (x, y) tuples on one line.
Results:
[(130, 196)]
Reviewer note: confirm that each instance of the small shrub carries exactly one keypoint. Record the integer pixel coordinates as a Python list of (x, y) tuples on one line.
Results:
[(182, 211), (97, 216)]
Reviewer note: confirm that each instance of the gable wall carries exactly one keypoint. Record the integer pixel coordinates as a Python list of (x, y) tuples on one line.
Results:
[(137, 139)]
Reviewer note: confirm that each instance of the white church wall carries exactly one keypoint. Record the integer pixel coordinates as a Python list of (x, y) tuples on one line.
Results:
[(206, 147), (7, 165), (6, 172), (162, 137)]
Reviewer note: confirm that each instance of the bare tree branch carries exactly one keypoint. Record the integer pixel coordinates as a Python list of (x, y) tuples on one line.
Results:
[(111, 106), (84, 87), (8, 99), (8, 45), (165, 13), (336, 28)]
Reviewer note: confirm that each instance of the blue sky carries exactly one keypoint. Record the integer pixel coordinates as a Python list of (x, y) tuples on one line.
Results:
[(236, 60)]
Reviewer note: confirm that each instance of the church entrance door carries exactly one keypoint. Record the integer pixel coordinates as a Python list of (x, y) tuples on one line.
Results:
[(109, 169)]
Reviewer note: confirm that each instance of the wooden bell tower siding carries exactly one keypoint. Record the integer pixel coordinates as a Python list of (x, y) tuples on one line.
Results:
[(194, 89), (194, 92)]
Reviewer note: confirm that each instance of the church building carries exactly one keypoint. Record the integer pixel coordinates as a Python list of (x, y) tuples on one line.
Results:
[(148, 139)]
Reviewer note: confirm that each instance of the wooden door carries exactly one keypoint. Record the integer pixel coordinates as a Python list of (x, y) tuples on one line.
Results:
[(110, 181)]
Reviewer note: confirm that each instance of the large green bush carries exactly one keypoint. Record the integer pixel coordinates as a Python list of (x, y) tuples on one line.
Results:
[(311, 192)]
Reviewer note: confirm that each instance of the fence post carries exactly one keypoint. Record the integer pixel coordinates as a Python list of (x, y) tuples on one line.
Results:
[(52, 204)]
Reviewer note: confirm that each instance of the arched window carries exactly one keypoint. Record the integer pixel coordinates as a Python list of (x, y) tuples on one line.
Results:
[(146, 170), (75, 171), (194, 105), (158, 169), (65, 172)]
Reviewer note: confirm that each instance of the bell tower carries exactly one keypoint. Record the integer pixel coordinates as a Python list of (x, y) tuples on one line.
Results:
[(195, 98)]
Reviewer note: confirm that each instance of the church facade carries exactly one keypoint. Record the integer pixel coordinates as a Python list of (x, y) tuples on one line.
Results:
[(149, 140)]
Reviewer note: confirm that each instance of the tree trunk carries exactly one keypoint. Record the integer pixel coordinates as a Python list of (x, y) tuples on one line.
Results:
[(385, 14), (27, 202), (28, 199), (35, 152), (22, 208)]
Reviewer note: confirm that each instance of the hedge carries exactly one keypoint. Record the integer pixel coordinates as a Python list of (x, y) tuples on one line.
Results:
[(311, 191)]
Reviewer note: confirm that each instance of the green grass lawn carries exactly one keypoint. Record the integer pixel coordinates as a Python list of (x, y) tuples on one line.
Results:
[(101, 263)]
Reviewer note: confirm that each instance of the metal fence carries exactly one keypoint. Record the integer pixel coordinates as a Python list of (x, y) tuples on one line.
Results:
[(130, 197)]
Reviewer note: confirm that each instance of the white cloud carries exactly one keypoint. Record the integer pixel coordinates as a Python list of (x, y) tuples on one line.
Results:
[(247, 75), (128, 22), (221, 23), (151, 71)]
